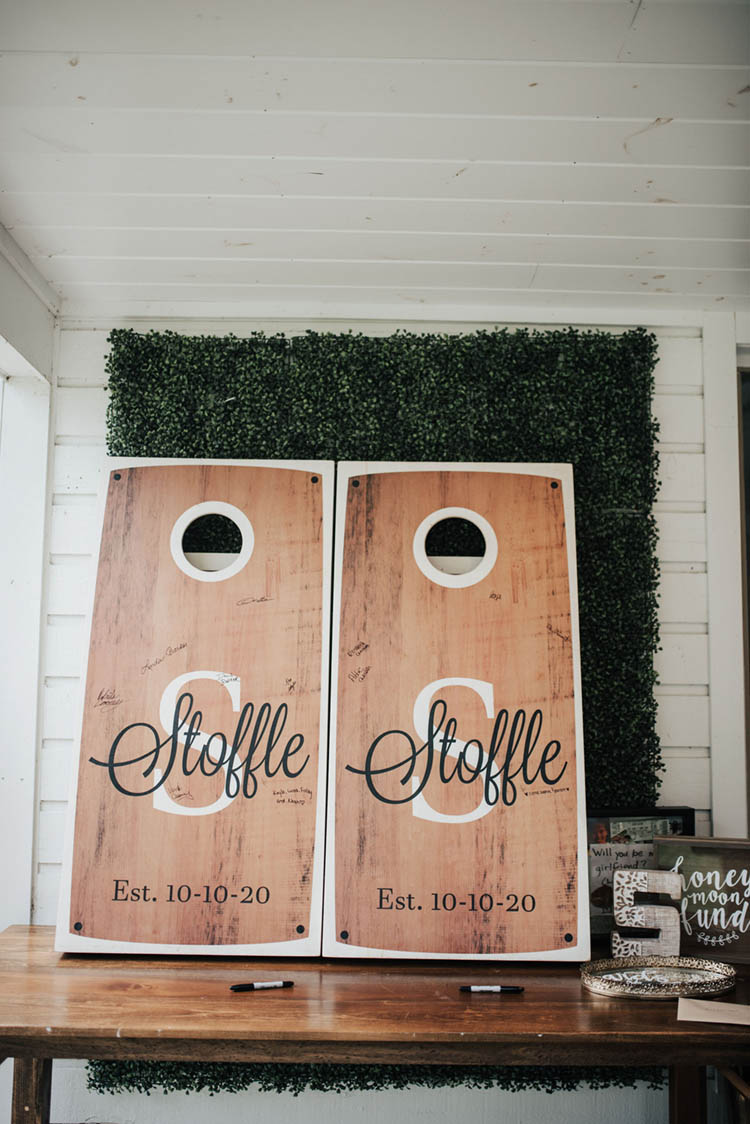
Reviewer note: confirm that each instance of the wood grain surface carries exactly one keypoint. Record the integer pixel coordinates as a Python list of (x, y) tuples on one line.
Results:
[(32, 1089), (142, 874), (507, 883), (349, 1011)]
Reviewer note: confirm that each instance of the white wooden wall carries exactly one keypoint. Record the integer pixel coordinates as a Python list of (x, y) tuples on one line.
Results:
[(682, 664)]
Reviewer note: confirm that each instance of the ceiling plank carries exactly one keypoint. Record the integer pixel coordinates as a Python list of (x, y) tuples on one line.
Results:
[(255, 246), (660, 142), (482, 87), (575, 30), (59, 211), (67, 272), (320, 178)]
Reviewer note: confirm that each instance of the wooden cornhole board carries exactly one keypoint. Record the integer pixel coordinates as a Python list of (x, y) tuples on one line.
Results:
[(432, 849), (199, 808)]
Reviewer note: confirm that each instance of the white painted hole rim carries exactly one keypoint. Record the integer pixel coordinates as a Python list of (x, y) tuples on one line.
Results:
[(455, 581), (212, 507)]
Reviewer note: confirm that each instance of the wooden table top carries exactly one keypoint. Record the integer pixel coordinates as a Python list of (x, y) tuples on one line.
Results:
[(180, 1008)]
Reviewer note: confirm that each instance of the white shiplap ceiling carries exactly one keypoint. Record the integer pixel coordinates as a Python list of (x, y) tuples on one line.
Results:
[(303, 156)]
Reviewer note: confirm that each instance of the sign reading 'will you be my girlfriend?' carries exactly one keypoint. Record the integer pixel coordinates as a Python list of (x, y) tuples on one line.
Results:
[(198, 813), (456, 823)]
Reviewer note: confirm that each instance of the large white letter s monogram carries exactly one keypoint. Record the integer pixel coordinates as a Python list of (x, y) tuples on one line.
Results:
[(162, 801), (419, 805)]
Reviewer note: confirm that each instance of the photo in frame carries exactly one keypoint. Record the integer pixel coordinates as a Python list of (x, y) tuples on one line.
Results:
[(620, 839)]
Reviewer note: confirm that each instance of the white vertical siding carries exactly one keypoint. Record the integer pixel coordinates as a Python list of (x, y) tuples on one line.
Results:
[(725, 575), (24, 429), (682, 662)]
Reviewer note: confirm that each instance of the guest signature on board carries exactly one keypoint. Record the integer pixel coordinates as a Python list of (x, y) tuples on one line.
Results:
[(170, 650)]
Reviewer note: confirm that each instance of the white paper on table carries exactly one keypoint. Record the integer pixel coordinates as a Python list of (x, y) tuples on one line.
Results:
[(712, 1011)]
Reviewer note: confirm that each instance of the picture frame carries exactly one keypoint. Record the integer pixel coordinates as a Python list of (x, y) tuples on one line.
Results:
[(622, 839), (715, 906)]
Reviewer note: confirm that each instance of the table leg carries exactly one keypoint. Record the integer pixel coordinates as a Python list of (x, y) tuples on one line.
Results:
[(687, 1094), (32, 1084)]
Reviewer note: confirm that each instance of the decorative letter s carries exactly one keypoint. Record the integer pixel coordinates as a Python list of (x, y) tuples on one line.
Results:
[(162, 801), (419, 805)]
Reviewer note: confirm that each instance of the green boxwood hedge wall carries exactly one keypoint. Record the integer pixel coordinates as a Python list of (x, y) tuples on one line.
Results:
[(571, 396)]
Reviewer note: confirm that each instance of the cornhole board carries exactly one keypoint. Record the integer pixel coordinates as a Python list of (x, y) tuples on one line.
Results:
[(197, 820), (456, 817)]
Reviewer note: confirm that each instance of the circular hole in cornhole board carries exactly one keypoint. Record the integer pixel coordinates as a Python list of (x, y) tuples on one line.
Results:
[(455, 547), (212, 541)]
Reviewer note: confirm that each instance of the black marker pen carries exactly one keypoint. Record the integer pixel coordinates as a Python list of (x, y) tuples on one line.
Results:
[(506, 988), (262, 986)]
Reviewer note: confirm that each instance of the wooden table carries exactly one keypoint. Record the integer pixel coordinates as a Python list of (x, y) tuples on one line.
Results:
[(181, 1009)]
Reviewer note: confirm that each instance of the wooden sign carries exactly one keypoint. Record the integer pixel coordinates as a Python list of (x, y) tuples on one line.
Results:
[(198, 821), (715, 904), (456, 822)]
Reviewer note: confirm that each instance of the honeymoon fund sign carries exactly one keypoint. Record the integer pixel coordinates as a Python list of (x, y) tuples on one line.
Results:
[(715, 903), (456, 827), (201, 777)]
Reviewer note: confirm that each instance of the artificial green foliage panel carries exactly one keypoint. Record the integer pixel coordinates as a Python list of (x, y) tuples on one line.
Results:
[(569, 396)]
